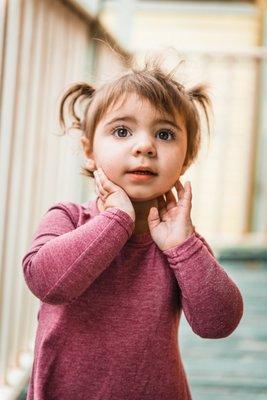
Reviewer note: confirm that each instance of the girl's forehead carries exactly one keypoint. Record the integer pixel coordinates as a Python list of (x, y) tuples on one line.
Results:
[(131, 102), (126, 100)]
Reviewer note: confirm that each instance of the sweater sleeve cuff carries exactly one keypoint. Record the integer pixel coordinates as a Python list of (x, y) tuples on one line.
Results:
[(184, 250), (122, 218)]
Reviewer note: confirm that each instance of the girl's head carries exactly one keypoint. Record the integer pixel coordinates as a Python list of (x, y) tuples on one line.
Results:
[(142, 118)]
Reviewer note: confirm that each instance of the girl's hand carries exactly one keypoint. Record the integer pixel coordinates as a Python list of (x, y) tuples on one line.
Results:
[(170, 224), (112, 195)]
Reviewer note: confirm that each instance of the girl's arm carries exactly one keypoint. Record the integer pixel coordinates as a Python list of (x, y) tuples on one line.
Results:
[(63, 261), (211, 301)]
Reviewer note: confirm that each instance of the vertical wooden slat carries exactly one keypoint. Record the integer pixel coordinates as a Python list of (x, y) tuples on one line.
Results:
[(32, 138), (25, 73), (54, 78), (7, 168), (3, 26), (259, 208)]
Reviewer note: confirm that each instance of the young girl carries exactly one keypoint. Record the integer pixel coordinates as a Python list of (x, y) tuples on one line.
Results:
[(114, 274)]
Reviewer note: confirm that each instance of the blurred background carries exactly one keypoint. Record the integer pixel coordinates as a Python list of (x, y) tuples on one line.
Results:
[(45, 45)]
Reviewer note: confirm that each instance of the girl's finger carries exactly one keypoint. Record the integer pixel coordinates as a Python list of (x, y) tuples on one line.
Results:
[(102, 191), (191, 195), (185, 202), (161, 203), (100, 175), (188, 192), (106, 184), (170, 200), (180, 189), (96, 189)]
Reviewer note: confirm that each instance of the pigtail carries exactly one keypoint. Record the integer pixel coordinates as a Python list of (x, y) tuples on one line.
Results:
[(199, 94), (78, 92)]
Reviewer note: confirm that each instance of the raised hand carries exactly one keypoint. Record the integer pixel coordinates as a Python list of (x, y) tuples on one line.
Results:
[(112, 195), (170, 224)]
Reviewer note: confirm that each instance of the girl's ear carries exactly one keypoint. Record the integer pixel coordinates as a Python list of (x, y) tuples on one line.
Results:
[(90, 162), (86, 146)]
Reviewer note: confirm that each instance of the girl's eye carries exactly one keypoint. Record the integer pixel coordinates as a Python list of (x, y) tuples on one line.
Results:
[(165, 132), (122, 132)]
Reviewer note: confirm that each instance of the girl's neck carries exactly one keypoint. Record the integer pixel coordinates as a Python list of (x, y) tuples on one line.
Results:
[(141, 209), (141, 213)]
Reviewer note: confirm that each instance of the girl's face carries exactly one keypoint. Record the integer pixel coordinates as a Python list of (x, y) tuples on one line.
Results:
[(136, 134)]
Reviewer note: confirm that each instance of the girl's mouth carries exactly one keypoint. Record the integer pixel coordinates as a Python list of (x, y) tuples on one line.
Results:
[(141, 176)]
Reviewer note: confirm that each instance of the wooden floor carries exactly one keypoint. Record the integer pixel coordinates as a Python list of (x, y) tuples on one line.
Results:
[(234, 367)]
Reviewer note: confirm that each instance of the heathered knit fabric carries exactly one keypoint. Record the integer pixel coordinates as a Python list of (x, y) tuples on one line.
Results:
[(111, 303)]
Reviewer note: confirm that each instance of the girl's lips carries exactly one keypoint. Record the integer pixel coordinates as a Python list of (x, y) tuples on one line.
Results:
[(140, 177)]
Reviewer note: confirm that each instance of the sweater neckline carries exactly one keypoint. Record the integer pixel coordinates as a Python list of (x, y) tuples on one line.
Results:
[(137, 239)]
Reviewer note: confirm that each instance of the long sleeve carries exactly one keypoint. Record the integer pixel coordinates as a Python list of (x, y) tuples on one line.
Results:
[(63, 260), (211, 301), (204, 242)]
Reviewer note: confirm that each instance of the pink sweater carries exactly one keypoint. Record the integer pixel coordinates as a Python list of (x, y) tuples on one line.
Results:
[(111, 303)]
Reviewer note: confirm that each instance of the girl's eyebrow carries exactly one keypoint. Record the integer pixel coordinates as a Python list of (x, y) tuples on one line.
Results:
[(128, 118), (125, 118)]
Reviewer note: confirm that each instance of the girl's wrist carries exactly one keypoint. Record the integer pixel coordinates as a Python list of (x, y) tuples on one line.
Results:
[(131, 215)]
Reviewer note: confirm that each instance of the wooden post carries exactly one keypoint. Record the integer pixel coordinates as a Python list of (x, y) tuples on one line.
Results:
[(259, 212)]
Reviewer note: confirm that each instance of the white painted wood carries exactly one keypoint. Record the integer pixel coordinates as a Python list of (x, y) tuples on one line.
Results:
[(260, 204), (7, 168)]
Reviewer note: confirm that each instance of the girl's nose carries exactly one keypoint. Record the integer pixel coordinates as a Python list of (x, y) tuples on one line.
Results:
[(145, 147)]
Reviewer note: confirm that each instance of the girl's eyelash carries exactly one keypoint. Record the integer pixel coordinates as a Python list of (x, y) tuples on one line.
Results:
[(173, 135)]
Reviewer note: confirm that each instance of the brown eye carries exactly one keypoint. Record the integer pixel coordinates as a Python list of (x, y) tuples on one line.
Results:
[(121, 131), (165, 134)]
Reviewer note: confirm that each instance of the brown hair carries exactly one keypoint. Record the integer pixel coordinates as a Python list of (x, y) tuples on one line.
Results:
[(152, 83)]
